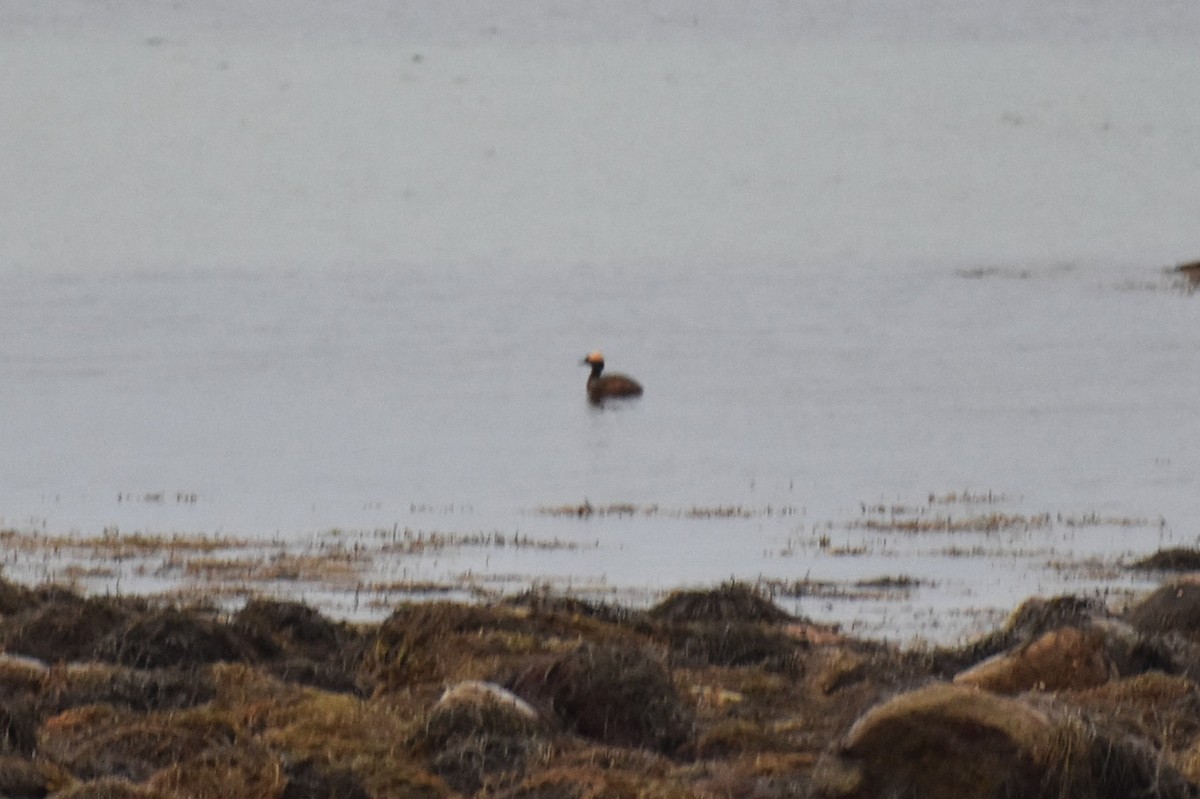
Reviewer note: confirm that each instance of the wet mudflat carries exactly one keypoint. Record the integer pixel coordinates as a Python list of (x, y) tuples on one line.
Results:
[(707, 693), (941, 570)]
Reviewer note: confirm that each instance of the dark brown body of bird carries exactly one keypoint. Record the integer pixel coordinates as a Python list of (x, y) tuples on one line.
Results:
[(611, 386)]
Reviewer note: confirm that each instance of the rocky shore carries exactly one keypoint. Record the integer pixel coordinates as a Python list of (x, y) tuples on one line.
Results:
[(716, 693)]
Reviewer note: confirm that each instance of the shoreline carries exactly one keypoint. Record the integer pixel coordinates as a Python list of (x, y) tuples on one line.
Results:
[(938, 572), (712, 692)]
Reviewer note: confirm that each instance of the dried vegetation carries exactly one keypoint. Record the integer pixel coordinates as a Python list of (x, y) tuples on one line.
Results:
[(710, 693)]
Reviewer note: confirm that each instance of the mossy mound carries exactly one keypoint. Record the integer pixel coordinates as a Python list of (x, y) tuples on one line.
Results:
[(311, 779), (730, 602), (1175, 559), (298, 644), (697, 644), (172, 638), (731, 625), (546, 603), (1068, 657), (1173, 608), (438, 642), (618, 695), (1032, 619), (245, 770), (21, 778), (19, 719), (15, 598), (1160, 709), (292, 629), (102, 741), (142, 690), (249, 770), (66, 628), (445, 643)]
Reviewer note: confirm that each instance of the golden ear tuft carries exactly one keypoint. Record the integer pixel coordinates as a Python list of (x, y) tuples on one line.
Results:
[(594, 356)]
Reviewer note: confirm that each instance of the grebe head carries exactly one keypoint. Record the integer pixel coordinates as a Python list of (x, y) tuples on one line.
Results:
[(593, 358)]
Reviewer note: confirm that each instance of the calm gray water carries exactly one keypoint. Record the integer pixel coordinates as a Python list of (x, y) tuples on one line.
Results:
[(270, 281)]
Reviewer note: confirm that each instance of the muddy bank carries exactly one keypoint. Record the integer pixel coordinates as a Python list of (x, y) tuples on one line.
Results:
[(716, 693)]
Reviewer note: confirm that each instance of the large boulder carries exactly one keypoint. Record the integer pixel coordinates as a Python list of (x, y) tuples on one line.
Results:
[(1066, 658), (958, 742)]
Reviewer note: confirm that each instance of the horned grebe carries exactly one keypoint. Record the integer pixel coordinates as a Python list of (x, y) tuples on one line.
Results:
[(600, 388)]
